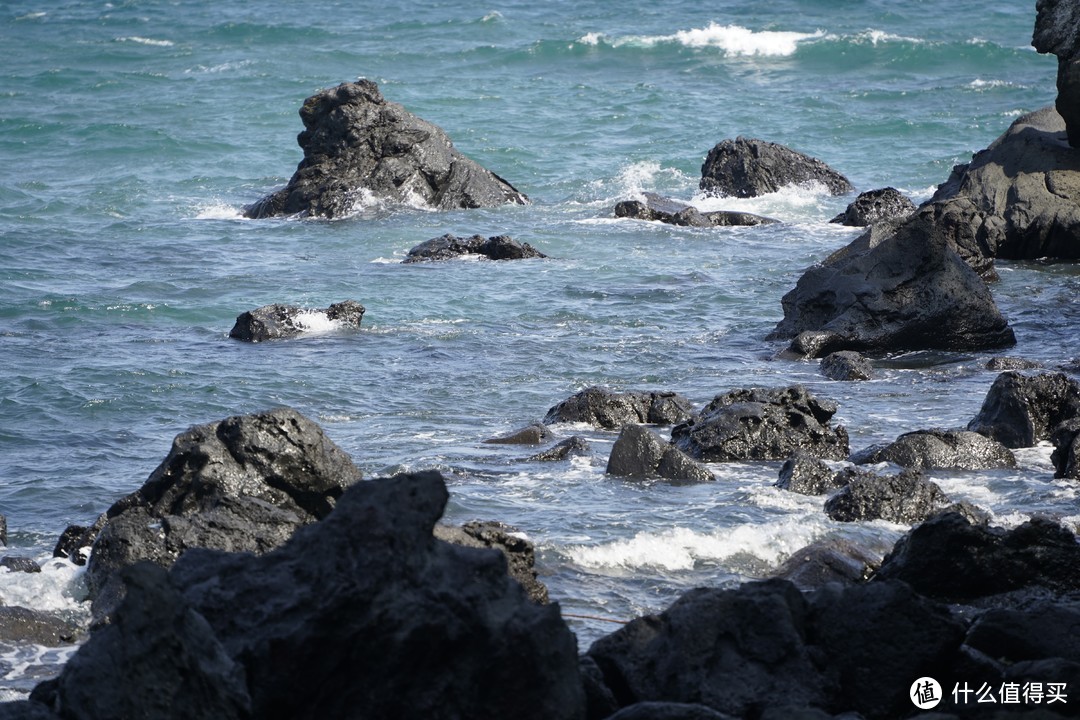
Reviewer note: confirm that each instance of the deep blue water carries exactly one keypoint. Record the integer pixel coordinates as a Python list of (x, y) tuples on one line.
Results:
[(131, 133)]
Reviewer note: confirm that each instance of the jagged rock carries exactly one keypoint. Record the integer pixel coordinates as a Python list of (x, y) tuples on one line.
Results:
[(745, 167), (357, 145), (575, 445), (846, 365), (762, 424), (949, 559), (673, 212), (1066, 455), (243, 484), (828, 561), (23, 625), (447, 247), (807, 474), (906, 498), (1056, 26), (612, 410), (943, 449), (875, 206), (273, 322), (892, 289), (535, 434), (332, 625), (640, 453), (75, 542), (1021, 410), (1000, 364), (519, 551), (15, 563)]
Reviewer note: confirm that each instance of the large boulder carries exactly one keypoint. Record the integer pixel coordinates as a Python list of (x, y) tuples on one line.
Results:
[(906, 498), (1056, 31), (638, 452), (1021, 410), (612, 410), (875, 206), (746, 167), (358, 146), (277, 321), (940, 449), (364, 614), (448, 247), (762, 424), (894, 288), (665, 210)]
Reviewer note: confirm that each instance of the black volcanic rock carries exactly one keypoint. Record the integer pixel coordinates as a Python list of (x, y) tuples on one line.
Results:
[(611, 410), (875, 206), (807, 474), (356, 145), (1020, 410), (447, 247), (745, 167), (906, 498), (846, 365), (944, 449), (1056, 32), (1066, 455), (638, 452), (573, 446), (673, 212), (520, 553), (274, 322)]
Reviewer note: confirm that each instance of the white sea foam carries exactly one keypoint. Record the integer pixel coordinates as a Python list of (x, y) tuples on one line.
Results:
[(58, 587), (791, 204), (218, 211), (314, 321), (492, 16), (878, 37), (732, 40), (980, 84), (592, 38), (146, 41)]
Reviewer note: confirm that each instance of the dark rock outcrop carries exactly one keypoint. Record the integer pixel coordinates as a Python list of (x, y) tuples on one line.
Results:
[(942, 449), (762, 424), (1056, 32), (447, 247), (640, 453), (274, 322), (827, 561), (875, 206), (519, 551), (1066, 455), (673, 212), (1021, 410), (807, 474), (357, 144), (745, 167), (535, 434), (846, 365), (906, 498), (331, 625), (894, 289), (573, 446), (245, 483), (611, 410)]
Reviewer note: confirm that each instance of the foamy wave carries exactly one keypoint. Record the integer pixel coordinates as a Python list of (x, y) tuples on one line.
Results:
[(878, 37), (314, 321), (219, 211), (733, 40), (680, 549), (146, 41), (791, 203), (58, 587), (980, 84), (492, 16)]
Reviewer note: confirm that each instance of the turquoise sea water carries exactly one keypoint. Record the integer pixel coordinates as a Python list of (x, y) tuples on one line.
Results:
[(131, 134)]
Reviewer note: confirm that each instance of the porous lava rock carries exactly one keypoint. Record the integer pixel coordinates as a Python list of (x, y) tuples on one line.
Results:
[(612, 410), (874, 206), (448, 247), (1021, 410), (906, 498), (940, 449), (277, 321), (519, 551), (846, 365), (747, 167)]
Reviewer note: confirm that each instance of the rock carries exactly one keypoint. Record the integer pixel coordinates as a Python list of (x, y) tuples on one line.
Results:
[(668, 711), (762, 424), (611, 410), (846, 365), (519, 551), (999, 364), (25, 710), (75, 542), (746, 167), (940, 449), (893, 289), (273, 322), (673, 212), (1021, 410), (23, 625), (3, 530), (1041, 630), (833, 560), (875, 206), (809, 475), (535, 434), (15, 563), (1056, 32), (573, 446), (949, 559), (332, 625), (358, 146), (447, 247), (1066, 455), (243, 484), (906, 498), (640, 453)]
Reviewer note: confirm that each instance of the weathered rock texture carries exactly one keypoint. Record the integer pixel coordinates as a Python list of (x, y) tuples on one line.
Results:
[(906, 498), (274, 322), (534, 434), (1057, 31), (447, 247), (1021, 410), (518, 550), (1066, 455), (893, 289), (944, 449), (357, 146), (808, 475), (876, 206), (673, 212), (762, 424), (745, 167), (573, 446), (846, 365), (640, 453), (611, 410)]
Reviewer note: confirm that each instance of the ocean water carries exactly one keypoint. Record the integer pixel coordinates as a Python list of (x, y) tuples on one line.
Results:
[(132, 133)]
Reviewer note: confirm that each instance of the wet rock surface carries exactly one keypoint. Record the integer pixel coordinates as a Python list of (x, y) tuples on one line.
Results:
[(905, 498), (611, 410), (519, 551), (944, 449), (875, 206), (274, 322), (448, 247), (573, 446), (640, 453), (673, 212), (747, 167), (1021, 410), (846, 365)]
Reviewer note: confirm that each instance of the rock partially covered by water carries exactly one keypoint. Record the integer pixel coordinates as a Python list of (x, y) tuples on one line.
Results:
[(447, 247), (519, 551), (846, 365), (332, 625), (832, 560), (1056, 31), (1021, 410), (673, 212), (612, 410), (807, 474), (640, 453), (762, 424), (573, 446), (875, 206), (746, 167), (358, 146), (1066, 455), (274, 322), (944, 449), (906, 498), (243, 484), (893, 289), (534, 434), (24, 625)]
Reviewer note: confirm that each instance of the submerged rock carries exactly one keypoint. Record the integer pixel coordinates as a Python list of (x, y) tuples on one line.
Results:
[(274, 322), (447, 247), (846, 365), (943, 449), (828, 561), (1056, 32), (762, 424), (906, 498), (357, 146), (745, 167), (534, 434), (573, 446), (1021, 410), (673, 212), (612, 410), (640, 453), (876, 206), (519, 551)]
